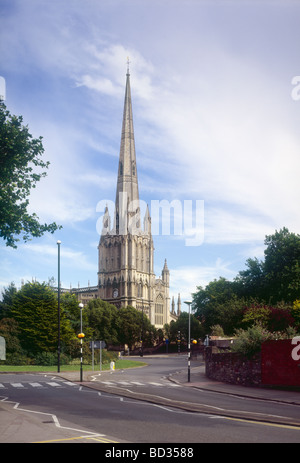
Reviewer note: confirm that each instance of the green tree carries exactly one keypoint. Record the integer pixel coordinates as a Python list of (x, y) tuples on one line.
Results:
[(6, 303), (251, 282), (182, 325), (134, 326), (218, 304), (102, 321), (35, 310), (20, 161), (70, 306), (282, 266), (268, 282), (277, 277)]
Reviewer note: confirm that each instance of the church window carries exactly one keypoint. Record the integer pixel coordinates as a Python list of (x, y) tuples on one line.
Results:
[(140, 290), (121, 168), (159, 311), (117, 222)]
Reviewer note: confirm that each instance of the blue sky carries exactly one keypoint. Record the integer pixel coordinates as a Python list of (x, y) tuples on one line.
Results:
[(215, 120)]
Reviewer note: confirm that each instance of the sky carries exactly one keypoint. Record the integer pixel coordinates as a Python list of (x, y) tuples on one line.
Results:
[(216, 107)]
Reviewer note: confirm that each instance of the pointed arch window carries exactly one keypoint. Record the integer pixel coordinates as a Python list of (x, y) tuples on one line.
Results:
[(140, 290), (117, 223), (159, 310)]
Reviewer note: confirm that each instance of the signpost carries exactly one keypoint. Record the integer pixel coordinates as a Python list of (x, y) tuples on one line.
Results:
[(97, 345)]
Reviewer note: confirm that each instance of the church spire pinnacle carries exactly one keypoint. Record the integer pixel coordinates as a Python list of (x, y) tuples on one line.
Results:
[(127, 185), (128, 63)]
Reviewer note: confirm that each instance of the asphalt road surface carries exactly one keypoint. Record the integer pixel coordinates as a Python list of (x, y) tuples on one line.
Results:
[(47, 408)]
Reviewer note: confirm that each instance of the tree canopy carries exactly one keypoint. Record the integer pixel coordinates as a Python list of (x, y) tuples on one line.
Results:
[(102, 321), (277, 277), (20, 164), (181, 325), (29, 322), (134, 326), (265, 291), (34, 308)]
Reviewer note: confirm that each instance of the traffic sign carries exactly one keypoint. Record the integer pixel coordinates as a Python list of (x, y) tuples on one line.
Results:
[(98, 344)]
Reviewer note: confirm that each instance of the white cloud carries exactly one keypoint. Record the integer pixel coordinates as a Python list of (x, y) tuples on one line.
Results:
[(99, 84), (186, 279), (234, 227)]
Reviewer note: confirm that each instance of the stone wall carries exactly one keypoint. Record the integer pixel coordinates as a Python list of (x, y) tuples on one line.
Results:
[(232, 368)]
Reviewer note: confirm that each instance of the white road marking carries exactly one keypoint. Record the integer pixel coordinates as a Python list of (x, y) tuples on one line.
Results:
[(54, 384)]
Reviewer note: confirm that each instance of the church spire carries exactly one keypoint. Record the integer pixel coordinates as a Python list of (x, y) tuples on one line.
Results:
[(127, 193)]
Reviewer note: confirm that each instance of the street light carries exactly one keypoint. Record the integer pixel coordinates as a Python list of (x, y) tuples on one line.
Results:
[(81, 336), (58, 304), (189, 341)]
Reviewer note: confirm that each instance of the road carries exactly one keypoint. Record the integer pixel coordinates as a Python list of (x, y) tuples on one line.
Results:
[(136, 406)]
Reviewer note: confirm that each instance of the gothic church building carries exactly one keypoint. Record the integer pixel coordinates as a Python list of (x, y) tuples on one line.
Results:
[(126, 251)]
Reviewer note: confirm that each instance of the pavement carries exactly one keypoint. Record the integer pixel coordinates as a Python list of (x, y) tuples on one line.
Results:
[(199, 380)]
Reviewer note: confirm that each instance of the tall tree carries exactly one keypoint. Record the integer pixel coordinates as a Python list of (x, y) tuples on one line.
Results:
[(277, 277), (35, 310), (282, 266), (134, 326), (208, 303), (7, 298), (251, 282), (102, 319), (20, 161), (182, 325)]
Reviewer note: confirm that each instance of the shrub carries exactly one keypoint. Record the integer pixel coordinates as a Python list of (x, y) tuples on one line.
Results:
[(17, 359), (248, 342), (217, 330), (50, 359)]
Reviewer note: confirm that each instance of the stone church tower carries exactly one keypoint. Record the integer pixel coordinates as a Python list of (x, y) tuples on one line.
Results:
[(126, 252)]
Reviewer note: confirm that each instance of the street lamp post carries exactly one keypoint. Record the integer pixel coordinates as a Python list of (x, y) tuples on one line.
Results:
[(81, 335), (58, 304), (189, 341)]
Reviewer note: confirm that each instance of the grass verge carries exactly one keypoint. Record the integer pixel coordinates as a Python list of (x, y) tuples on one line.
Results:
[(119, 364)]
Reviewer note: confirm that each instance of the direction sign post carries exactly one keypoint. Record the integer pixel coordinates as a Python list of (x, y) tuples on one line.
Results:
[(97, 345)]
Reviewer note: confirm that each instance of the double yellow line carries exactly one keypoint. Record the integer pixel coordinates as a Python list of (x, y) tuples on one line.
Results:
[(101, 439)]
